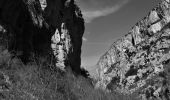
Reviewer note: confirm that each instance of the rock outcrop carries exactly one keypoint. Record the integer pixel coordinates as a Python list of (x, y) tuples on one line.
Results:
[(67, 39), (139, 62), (41, 28)]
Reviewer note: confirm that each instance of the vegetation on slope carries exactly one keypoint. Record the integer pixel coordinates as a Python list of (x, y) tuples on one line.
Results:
[(45, 82)]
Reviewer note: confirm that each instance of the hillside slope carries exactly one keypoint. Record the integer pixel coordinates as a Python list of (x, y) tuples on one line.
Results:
[(43, 81)]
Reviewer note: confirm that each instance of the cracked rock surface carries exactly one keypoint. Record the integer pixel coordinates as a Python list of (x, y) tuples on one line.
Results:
[(139, 62)]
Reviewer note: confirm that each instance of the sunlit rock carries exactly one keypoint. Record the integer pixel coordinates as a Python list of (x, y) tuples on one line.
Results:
[(138, 62), (153, 17), (155, 28), (167, 1), (43, 4), (70, 25), (61, 44)]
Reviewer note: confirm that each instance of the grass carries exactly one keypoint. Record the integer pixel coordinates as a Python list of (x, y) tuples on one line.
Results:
[(41, 82)]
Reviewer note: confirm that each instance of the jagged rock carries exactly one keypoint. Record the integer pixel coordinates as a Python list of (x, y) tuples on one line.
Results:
[(153, 17), (34, 26), (69, 25), (138, 62), (61, 46), (43, 4)]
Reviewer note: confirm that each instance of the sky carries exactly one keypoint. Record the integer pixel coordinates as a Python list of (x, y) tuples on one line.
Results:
[(107, 21)]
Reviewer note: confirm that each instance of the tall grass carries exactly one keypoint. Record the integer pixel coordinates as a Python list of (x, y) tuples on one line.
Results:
[(40, 81)]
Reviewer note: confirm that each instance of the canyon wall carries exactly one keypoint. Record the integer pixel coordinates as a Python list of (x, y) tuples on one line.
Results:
[(43, 28), (138, 63)]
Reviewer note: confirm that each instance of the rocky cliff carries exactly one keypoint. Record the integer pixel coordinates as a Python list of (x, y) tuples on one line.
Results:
[(138, 63), (38, 39), (52, 29)]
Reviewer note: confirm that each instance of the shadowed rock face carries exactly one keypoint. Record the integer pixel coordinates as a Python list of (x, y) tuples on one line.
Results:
[(43, 28), (68, 23), (138, 62), (25, 27)]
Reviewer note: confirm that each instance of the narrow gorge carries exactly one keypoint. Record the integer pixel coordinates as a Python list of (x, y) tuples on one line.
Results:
[(40, 55)]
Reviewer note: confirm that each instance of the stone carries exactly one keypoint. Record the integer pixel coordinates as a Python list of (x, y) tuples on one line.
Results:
[(136, 35), (137, 63), (44, 28), (155, 28), (153, 17), (167, 1), (61, 46), (71, 28), (43, 4)]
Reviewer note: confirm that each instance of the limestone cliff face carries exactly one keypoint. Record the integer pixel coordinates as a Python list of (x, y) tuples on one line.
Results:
[(139, 62), (43, 28)]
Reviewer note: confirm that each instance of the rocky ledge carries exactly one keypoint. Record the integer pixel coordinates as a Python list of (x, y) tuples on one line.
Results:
[(139, 62)]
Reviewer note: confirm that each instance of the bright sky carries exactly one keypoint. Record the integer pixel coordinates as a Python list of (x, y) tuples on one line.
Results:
[(108, 20)]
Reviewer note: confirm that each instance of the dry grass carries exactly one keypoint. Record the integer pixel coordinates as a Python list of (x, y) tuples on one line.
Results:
[(35, 82)]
